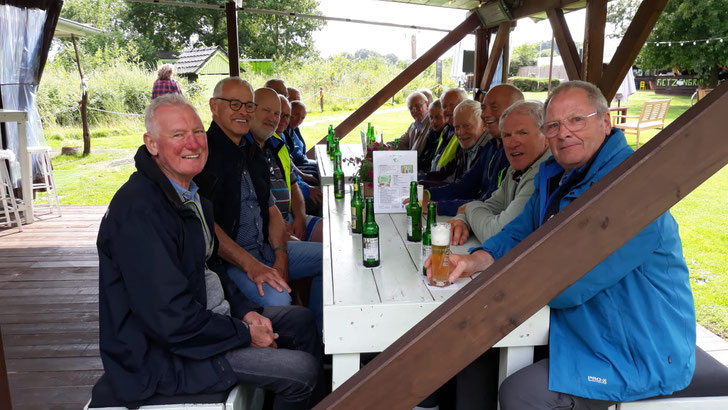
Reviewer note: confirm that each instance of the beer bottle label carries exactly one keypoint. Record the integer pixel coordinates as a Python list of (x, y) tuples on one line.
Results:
[(353, 218), (371, 249), (340, 186), (409, 225), (426, 252)]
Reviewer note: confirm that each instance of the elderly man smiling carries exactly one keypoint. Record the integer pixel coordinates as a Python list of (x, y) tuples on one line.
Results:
[(605, 344), (416, 134), (169, 325), (526, 148)]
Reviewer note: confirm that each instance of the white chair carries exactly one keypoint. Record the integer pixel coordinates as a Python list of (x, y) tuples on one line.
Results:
[(7, 196), (240, 398), (48, 183)]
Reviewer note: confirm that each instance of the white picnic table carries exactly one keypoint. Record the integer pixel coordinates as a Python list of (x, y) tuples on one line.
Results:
[(367, 309), (326, 165)]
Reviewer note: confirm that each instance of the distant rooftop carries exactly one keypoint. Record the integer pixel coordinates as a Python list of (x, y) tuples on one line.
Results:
[(192, 60)]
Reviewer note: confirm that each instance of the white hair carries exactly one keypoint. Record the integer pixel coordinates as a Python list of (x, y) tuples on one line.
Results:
[(150, 113)]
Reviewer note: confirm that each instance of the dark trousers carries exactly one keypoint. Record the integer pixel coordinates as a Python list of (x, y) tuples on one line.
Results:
[(293, 370)]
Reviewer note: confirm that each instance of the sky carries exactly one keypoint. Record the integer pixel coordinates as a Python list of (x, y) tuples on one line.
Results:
[(337, 37)]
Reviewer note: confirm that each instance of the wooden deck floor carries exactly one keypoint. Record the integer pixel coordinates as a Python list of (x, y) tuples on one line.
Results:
[(49, 310)]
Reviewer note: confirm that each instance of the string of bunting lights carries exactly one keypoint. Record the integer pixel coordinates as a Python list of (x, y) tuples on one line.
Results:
[(683, 42)]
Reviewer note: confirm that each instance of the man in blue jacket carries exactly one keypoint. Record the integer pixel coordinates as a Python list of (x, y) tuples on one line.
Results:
[(169, 324), (625, 330)]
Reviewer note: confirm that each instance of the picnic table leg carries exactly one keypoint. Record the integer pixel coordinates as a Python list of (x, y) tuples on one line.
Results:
[(343, 366), (513, 359)]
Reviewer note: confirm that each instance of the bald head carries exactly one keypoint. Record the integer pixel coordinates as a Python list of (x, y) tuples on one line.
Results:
[(496, 101), (450, 99), (278, 85), (267, 115)]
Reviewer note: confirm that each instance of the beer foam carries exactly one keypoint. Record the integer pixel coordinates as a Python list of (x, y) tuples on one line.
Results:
[(440, 234)]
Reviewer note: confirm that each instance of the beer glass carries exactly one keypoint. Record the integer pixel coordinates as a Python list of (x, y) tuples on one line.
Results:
[(440, 265)]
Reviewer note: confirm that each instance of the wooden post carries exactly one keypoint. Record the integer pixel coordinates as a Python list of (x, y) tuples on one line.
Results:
[(506, 52), (551, 63), (567, 48), (596, 19), (5, 402), (482, 42), (414, 69), (634, 38), (231, 16), (84, 103), (504, 30)]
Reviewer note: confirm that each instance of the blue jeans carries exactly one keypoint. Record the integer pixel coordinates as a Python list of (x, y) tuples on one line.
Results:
[(304, 261), (292, 371)]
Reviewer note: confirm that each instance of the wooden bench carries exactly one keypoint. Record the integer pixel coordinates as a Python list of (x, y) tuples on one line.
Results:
[(652, 116)]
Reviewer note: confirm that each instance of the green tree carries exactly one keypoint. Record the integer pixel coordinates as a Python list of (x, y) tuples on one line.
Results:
[(523, 55), (686, 22), (259, 35)]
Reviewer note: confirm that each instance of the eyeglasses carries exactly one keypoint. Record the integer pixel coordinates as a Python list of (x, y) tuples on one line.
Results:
[(236, 105), (285, 116), (573, 124)]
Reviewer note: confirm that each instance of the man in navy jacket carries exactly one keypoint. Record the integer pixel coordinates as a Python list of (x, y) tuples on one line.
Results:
[(169, 325)]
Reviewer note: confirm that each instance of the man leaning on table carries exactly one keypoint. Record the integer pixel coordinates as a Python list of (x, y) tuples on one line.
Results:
[(605, 344), (169, 325), (526, 148)]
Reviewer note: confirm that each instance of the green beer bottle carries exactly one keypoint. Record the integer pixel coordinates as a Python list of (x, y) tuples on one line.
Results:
[(414, 215), (372, 139), (329, 139), (427, 235), (357, 207), (370, 237), (338, 177)]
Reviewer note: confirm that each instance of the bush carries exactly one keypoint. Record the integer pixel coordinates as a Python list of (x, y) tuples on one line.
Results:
[(527, 84)]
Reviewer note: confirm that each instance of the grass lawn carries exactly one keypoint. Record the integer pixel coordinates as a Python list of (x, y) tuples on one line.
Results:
[(702, 215)]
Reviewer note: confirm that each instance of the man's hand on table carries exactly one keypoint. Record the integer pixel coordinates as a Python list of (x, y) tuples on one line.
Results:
[(261, 274), (261, 330), (308, 178), (463, 265), (459, 231)]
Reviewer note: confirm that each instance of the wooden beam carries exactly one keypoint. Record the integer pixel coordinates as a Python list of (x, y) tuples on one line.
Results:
[(5, 402), (504, 30), (532, 7), (231, 16), (634, 38), (505, 295), (409, 73), (596, 20), (482, 43), (567, 48), (506, 52)]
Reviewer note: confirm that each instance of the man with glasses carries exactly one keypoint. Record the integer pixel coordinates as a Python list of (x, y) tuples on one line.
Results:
[(625, 330), (416, 134), (238, 184)]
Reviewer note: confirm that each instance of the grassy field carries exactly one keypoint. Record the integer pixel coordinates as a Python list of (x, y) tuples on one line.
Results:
[(702, 215)]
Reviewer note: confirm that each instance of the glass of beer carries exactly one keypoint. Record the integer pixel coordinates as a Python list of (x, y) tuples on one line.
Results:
[(440, 262)]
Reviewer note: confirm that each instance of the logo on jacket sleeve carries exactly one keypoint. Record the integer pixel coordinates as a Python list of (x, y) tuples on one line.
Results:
[(594, 379)]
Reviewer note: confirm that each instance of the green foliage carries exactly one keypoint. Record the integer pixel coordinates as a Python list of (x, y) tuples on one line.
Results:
[(528, 84), (167, 27), (682, 21), (523, 55)]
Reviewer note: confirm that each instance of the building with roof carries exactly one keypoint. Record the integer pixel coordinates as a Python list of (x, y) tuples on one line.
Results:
[(206, 65)]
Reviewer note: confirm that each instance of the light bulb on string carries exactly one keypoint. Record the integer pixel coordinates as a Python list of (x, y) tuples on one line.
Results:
[(694, 43)]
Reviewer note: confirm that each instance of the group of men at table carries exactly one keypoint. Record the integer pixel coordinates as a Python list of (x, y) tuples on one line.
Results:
[(194, 247)]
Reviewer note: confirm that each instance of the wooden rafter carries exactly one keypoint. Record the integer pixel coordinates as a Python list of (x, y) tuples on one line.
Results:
[(506, 53), (414, 69), (504, 30), (634, 38), (567, 48), (509, 292), (596, 19), (231, 17)]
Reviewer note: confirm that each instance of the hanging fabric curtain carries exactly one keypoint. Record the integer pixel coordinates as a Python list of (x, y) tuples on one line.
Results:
[(26, 27)]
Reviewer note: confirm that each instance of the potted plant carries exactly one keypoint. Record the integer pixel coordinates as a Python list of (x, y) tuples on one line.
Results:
[(366, 164)]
